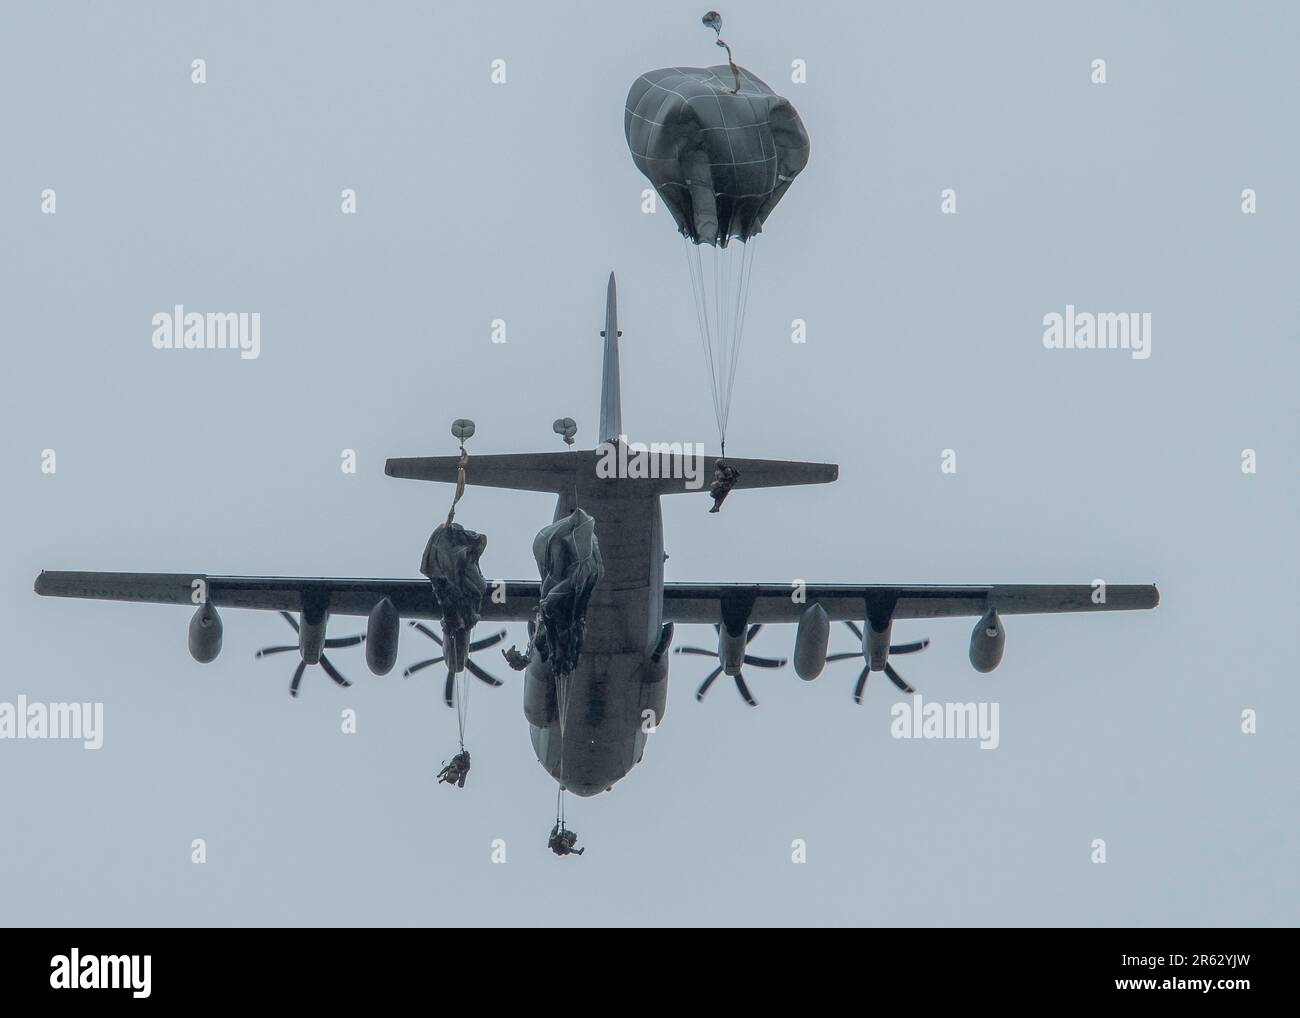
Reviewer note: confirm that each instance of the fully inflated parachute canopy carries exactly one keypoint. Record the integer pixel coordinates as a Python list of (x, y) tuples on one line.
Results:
[(720, 161)]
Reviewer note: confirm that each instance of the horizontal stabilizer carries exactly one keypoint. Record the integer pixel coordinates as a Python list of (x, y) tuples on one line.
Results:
[(638, 473), (525, 471), (765, 473)]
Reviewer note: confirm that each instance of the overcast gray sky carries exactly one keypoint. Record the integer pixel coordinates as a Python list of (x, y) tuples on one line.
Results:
[(479, 201)]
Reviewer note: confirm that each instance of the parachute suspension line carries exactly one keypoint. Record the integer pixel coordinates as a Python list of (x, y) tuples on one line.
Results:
[(462, 703), (695, 269), (562, 710), (722, 278), (562, 700), (738, 324), (720, 315), (732, 298), (729, 316), (718, 348)]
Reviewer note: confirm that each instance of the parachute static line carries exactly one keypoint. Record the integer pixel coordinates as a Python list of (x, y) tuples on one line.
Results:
[(462, 430), (720, 316), (460, 483), (713, 20)]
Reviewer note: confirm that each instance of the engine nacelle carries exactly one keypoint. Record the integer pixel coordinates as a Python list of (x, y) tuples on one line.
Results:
[(875, 642), (987, 642), (731, 651), (381, 637), (205, 634), (810, 642), (311, 633)]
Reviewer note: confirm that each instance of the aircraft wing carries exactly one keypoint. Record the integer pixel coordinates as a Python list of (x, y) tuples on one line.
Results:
[(516, 600), (786, 602), (512, 601)]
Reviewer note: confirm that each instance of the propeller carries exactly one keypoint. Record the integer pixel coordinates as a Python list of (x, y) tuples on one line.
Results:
[(750, 659), (475, 670), (894, 677), (330, 670)]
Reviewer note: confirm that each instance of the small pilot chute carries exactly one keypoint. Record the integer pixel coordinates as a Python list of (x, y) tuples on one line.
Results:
[(721, 149), (566, 428)]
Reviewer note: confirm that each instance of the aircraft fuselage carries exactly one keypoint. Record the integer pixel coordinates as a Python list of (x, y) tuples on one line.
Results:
[(618, 691)]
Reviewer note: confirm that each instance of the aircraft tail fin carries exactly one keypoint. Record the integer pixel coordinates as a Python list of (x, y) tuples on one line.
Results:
[(611, 410), (639, 471)]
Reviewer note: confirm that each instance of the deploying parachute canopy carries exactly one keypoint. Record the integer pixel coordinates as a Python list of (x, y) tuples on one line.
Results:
[(568, 559), (721, 149), (450, 561)]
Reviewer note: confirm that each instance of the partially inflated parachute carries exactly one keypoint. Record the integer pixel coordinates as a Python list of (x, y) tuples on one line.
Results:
[(720, 159)]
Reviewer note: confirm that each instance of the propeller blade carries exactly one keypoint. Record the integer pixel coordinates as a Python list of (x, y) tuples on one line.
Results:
[(744, 690), (856, 631), (765, 662), (267, 651), (481, 675), (753, 631), (297, 678), (488, 641), (344, 641), (333, 672), (910, 648), (704, 686), (842, 657), (897, 679), (448, 687), (290, 619), (862, 683), (427, 632), (702, 652), (420, 666)]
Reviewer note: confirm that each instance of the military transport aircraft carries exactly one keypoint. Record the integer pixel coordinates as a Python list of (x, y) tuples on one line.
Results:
[(622, 668)]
